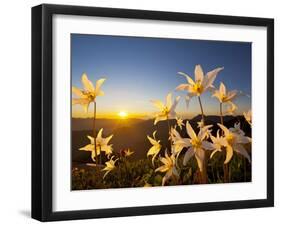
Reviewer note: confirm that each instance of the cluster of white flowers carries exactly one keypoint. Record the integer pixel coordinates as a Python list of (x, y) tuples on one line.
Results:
[(97, 144), (195, 145)]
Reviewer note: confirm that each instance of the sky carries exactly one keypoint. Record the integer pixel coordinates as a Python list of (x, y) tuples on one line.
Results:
[(138, 70)]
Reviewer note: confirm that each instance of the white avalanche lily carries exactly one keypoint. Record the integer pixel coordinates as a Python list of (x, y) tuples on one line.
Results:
[(225, 96), (179, 122), (169, 167), (196, 145), (110, 165), (234, 142), (201, 83), (200, 125), (166, 111), (178, 143), (231, 108), (89, 93), (218, 143), (237, 129), (248, 117), (102, 145), (156, 147)]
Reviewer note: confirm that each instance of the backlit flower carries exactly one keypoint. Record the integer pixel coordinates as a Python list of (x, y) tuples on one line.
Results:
[(237, 129), (179, 122), (89, 93), (169, 167), (128, 152), (234, 142), (178, 143), (200, 125), (167, 111), (231, 108), (218, 143), (101, 143), (201, 83), (109, 166), (196, 145), (156, 147), (223, 95), (248, 117)]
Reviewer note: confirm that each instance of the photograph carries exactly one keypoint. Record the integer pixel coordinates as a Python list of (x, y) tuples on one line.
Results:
[(148, 111)]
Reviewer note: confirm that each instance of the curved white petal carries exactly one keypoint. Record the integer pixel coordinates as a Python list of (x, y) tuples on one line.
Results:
[(207, 145), (210, 77), (213, 153), (99, 136), (88, 147), (200, 156), (77, 92), (169, 101), (88, 85), (198, 72), (160, 118), (225, 130), (167, 177), (229, 154), (222, 89), (188, 78), (241, 150), (186, 87), (98, 86), (188, 155), (190, 131)]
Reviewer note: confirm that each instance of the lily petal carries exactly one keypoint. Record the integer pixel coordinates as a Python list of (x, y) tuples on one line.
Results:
[(198, 72), (229, 154), (88, 85), (188, 155), (188, 78)]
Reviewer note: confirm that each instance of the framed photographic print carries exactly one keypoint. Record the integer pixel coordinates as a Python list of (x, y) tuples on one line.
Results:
[(145, 112)]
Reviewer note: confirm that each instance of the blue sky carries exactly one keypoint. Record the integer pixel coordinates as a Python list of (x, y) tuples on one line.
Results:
[(140, 69)]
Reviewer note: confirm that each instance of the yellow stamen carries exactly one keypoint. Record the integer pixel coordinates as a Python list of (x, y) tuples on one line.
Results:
[(196, 143)]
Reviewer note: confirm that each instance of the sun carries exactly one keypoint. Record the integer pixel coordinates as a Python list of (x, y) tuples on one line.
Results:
[(123, 114)]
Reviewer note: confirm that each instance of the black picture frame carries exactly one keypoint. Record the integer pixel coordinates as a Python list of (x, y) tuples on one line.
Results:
[(42, 111)]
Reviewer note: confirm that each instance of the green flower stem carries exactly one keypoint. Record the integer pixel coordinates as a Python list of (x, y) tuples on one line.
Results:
[(94, 128), (221, 115), (169, 131), (204, 177), (225, 166), (226, 173), (202, 112)]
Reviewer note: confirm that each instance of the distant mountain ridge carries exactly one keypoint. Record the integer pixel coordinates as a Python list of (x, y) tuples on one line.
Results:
[(133, 133)]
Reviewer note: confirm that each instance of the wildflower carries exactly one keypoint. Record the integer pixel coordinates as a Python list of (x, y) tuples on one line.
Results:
[(237, 129), (110, 165), (225, 96), (169, 167), (196, 145), (154, 150), (218, 143), (248, 117), (200, 125), (128, 152), (178, 143), (234, 142), (201, 83), (231, 108), (101, 143), (89, 93), (166, 111), (179, 122)]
